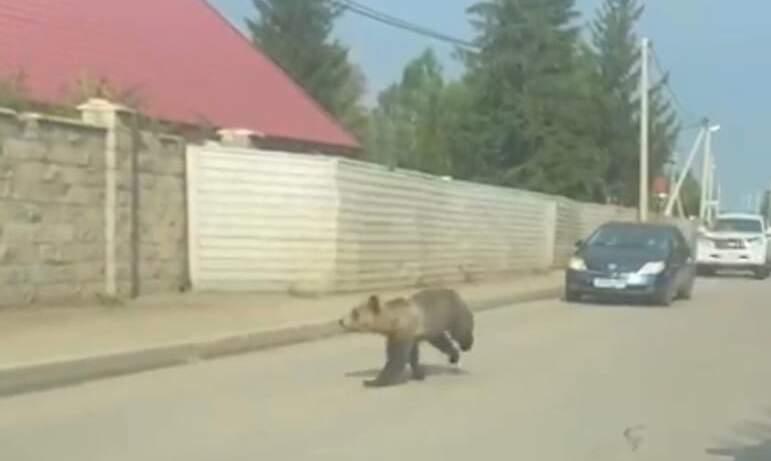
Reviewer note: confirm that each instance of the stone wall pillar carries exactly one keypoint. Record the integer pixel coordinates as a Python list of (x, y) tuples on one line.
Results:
[(120, 204), (237, 137)]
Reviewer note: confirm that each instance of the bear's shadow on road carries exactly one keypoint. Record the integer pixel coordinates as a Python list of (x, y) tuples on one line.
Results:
[(431, 370), (751, 441)]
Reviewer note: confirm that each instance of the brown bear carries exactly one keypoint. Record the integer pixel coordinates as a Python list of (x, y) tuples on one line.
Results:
[(437, 316)]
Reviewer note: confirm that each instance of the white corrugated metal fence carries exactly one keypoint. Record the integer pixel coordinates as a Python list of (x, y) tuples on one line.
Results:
[(273, 221)]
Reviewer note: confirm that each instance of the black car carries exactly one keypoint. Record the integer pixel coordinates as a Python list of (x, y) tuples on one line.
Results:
[(651, 262)]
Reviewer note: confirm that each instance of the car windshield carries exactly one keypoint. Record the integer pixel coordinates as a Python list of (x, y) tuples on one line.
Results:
[(631, 238), (753, 226)]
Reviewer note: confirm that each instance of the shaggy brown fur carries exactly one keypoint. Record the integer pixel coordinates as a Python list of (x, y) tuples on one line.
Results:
[(438, 316)]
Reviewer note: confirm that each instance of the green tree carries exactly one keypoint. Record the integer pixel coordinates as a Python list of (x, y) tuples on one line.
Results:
[(617, 55), (296, 34), (690, 195), (531, 89), (664, 128), (459, 142), (617, 69), (409, 125)]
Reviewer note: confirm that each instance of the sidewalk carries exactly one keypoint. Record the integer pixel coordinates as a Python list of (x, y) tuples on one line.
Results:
[(45, 347)]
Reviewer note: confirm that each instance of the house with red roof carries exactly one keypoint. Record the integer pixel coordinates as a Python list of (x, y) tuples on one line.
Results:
[(185, 62)]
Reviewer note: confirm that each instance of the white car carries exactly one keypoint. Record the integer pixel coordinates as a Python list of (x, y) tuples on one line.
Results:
[(735, 242)]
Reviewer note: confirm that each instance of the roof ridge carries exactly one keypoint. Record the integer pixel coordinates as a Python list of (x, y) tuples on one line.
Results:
[(283, 72), (192, 63)]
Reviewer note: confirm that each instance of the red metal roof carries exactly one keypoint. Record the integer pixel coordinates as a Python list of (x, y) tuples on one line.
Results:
[(187, 63)]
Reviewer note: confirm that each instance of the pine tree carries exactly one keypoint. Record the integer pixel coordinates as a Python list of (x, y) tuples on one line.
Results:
[(690, 195), (296, 34), (617, 67), (664, 128), (531, 93)]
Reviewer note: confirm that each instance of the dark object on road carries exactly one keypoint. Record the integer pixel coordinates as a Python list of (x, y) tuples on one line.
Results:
[(650, 262), (438, 316), (635, 436)]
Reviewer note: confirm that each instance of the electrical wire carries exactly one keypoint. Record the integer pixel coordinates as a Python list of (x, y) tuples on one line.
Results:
[(370, 13), (360, 9), (672, 94)]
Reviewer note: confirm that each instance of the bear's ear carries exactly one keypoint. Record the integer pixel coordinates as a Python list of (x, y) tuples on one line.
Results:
[(374, 304)]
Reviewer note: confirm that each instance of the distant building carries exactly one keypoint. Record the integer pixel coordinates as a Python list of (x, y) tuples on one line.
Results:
[(180, 59)]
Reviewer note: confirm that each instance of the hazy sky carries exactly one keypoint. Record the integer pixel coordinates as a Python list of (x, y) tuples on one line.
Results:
[(714, 49)]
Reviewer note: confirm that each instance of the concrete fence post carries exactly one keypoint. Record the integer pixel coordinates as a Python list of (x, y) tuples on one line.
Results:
[(120, 195), (550, 234), (237, 137)]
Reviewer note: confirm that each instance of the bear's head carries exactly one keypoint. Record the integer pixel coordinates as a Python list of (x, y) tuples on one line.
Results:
[(373, 316)]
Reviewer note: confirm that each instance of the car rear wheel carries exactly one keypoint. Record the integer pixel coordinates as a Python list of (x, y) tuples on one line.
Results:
[(762, 274)]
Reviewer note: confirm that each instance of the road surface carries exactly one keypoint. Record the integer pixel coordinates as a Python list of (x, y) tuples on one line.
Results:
[(546, 381)]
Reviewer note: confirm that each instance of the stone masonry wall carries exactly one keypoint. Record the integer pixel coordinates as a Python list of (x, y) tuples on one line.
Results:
[(51, 210), (54, 209), (162, 264)]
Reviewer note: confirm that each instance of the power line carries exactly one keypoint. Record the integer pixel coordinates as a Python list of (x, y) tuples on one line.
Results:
[(668, 86), (370, 13), (692, 126)]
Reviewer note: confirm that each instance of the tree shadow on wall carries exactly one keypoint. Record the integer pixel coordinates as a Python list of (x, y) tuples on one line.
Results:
[(751, 441)]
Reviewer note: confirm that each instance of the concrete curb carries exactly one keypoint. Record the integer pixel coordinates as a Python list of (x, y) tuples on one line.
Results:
[(26, 378)]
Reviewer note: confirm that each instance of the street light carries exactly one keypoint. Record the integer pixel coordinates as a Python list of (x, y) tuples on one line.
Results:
[(675, 194)]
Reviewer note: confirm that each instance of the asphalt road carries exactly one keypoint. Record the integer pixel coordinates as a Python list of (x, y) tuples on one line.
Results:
[(546, 381)]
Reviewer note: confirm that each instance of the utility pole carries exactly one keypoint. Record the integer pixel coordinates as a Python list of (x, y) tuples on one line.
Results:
[(644, 132), (681, 209), (706, 171), (712, 202), (705, 175), (672, 179), (675, 195)]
